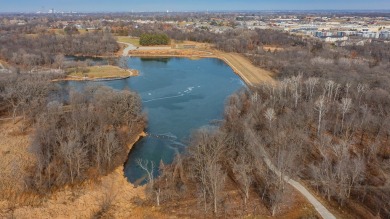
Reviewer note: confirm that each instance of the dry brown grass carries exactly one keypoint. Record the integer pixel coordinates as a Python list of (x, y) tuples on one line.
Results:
[(335, 208), (131, 40), (110, 196), (272, 48), (250, 73), (188, 205), (101, 72), (14, 161), (14, 155), (4, 64)]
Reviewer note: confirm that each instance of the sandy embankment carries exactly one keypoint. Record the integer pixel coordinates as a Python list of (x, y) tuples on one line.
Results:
[(82, 201)]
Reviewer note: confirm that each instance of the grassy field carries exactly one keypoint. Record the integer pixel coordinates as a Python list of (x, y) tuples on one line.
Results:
[(107, 71), (62, 32), (125, 39)]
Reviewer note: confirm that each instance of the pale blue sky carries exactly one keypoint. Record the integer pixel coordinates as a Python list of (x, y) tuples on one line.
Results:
[(187, 5)]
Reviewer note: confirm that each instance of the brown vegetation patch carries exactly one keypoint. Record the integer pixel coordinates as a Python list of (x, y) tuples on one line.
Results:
[(272, 48), (99, 72), (109, 197), (15, 159)]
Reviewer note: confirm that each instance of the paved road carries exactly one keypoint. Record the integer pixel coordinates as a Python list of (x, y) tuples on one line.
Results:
[(325, 213), (321, 209), (128, 48)]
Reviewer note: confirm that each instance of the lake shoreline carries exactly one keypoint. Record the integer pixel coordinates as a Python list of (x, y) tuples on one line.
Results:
[(251, 75)]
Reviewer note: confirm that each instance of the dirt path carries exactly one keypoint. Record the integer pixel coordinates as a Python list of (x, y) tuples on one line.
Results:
[(251, 74), (320, 208)]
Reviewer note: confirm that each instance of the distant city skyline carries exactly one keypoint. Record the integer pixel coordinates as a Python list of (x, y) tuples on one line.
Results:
[(188, 5)]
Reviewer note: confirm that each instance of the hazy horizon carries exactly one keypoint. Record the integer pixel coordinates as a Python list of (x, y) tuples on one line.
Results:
[(182, 6)]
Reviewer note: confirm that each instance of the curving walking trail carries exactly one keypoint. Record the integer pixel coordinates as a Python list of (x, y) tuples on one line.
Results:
[(128, 48), (320, 208)]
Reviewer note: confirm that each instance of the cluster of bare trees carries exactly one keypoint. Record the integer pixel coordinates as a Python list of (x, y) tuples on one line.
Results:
[(333, 135), (312, 57), (25, 94), (205, 166), (236, 40), (378, 50), (341, 125), (44, 49), (326, 121), (86, 138)]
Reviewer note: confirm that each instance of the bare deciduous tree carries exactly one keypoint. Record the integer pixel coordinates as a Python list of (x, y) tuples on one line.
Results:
[(270, 116), (206, 150), (242, 169), (345, 107), (320, 106)]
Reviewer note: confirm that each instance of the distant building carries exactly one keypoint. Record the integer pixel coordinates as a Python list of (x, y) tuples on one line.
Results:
[(334, 38), (384, 34)]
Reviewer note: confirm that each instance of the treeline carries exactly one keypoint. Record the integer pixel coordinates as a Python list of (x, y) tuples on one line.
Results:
[(311, 57), (26, 95), (154, 39), (292, 49), (236, 40), (37, 27), (377, 50), (334, 136), (325, 121), (77, 135), (41, 50), (86, 139)]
